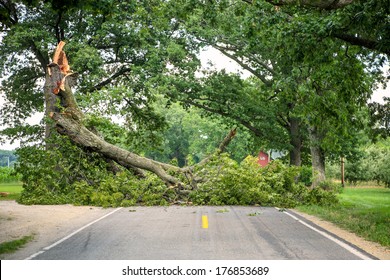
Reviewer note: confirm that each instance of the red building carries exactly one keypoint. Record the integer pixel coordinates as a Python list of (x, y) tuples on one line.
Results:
[(263, 159)]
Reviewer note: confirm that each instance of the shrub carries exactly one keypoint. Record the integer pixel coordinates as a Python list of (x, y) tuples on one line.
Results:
[(329, 185), (355, 171), (372, 165), (306, 175), (319, 196), (8, 175), (229, 183), (51, 176), (385, 177)]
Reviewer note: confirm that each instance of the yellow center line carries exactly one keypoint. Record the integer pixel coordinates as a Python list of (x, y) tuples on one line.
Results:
[(205, 221)]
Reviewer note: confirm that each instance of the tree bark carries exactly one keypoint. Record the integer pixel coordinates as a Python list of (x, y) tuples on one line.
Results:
[(50, 98), (317, 157), (364, 42), (295, 141)]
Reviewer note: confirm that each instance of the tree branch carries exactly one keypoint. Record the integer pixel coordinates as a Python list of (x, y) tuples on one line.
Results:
[(222, 147), (57, 28), (43, 60), (322, 4), (244, 65), (362, 42), (85, 138), (10, 7), (122, 71), (243, 122)]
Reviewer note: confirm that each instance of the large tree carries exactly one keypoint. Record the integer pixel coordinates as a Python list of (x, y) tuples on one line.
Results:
[(313, 82), (116, 48)]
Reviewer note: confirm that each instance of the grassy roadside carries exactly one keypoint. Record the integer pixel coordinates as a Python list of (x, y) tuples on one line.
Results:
[(12, 190), (364, 211), (12, 246)]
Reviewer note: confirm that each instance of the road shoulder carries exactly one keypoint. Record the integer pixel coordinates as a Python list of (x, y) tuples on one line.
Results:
[(47, 223), (372, 248)]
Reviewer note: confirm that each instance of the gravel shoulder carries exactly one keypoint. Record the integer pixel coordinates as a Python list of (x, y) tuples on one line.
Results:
[(49, 223)]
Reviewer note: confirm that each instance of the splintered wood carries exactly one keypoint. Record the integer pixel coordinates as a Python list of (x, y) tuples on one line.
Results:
[(60, 59)]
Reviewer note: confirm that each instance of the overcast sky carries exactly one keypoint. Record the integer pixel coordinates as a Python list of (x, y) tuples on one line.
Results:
[(220, 62)]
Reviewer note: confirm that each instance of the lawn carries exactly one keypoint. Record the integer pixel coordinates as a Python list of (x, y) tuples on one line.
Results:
[(364, 211), (13, 190)]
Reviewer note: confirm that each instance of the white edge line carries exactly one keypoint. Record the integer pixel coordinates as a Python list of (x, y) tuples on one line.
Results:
[(337, 241), (70, 235), (34, 255)]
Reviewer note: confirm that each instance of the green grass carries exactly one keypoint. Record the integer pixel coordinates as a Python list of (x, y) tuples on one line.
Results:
[(12, 246), (364, 211), (14, 190)]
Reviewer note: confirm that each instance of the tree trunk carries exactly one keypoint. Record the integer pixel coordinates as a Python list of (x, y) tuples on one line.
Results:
[(50, 103), (318, 164), (317, 157), (295, 141)]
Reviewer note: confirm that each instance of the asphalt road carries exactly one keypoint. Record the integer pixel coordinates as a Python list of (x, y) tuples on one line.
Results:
[(204, 233)]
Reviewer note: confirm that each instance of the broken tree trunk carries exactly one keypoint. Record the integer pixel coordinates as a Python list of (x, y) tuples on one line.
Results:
[(68, 121), (62, 108), (82, 136)]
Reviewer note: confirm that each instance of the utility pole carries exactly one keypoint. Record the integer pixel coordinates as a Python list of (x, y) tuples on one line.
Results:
[(342, 171), (7, 162)]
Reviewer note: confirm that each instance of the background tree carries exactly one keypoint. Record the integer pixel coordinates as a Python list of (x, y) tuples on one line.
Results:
[(380, 118), (314, 83)]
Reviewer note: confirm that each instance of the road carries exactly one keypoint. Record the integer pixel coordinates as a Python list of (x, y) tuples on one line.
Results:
[(204, 233)]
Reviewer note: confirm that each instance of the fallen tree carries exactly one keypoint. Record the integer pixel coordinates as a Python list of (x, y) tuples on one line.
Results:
[(62, 108), (75, 166)]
